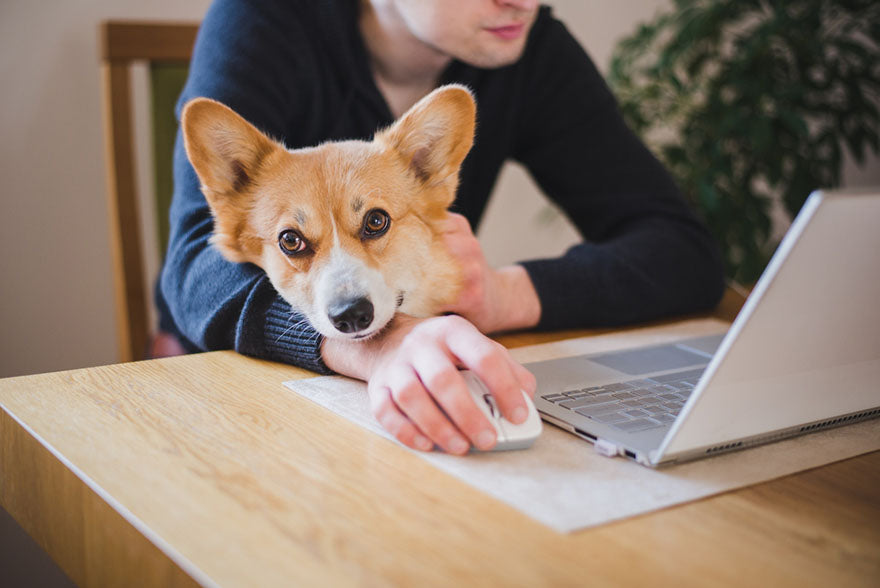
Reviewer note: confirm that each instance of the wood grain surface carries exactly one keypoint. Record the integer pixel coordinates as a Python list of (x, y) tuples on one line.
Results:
[(205, 469)]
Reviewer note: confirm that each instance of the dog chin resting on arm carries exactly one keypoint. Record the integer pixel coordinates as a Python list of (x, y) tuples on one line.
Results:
[(348, 232)]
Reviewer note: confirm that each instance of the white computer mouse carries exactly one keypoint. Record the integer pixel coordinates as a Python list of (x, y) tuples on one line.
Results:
[(510, 436)]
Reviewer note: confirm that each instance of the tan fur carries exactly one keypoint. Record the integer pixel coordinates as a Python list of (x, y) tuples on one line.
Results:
[(256, 189)]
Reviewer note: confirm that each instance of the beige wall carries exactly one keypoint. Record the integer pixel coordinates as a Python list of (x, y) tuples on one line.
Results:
[(56, 301), (55, 287)]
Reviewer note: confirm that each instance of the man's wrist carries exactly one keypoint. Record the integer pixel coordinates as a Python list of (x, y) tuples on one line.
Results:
[(357, 359), (519, 308), (520, 305)]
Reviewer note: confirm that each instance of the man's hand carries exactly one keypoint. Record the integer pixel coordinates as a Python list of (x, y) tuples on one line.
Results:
[(493, 300), (416, 391)]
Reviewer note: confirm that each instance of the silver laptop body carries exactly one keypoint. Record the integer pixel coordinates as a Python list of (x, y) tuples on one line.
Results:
[(802, 355)]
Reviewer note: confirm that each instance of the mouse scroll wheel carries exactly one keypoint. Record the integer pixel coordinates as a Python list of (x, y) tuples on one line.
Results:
[(490, 402)]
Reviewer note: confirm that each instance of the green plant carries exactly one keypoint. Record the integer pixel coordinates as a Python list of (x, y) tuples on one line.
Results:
[(751, 101)]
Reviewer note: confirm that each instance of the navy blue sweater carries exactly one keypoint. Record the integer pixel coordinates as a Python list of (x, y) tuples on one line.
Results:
[(298, 70)]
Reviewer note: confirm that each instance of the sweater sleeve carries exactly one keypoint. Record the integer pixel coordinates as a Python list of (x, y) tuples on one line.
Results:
[(645, 255), (243, 60)]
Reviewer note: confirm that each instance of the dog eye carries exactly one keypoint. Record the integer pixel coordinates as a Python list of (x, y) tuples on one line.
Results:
[(376, 223), (292, 243)]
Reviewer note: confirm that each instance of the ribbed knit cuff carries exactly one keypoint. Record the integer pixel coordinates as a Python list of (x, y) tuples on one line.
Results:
[(285, 336), (289, 337)]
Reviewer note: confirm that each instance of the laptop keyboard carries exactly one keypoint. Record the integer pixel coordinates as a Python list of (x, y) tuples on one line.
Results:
[(635, 405)]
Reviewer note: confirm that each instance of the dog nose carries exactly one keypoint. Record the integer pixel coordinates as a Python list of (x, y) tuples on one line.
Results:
[(351, 316)]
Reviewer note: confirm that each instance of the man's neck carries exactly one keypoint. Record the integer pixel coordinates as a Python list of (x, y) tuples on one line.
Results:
[(404, 68)]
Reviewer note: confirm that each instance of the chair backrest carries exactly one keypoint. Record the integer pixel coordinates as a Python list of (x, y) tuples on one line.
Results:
[(166, 48)]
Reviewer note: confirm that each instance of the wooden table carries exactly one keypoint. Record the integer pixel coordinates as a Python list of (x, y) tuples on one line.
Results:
[(204, 469)]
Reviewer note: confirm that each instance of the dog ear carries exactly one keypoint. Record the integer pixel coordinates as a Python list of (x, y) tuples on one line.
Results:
[(434, 136), (226, 152)]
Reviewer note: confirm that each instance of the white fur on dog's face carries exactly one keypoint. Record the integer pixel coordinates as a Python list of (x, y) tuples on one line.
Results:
[(302, 215), (346, 277)]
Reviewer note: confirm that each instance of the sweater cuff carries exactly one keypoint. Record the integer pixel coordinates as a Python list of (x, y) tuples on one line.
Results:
[(288, 337), (547, 276)]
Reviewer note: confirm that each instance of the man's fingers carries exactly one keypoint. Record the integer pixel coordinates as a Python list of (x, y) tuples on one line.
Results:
[(492, 364), (420, 397), (454, 223), (448, 388), (526, 379), (414, 401), (396, 423)]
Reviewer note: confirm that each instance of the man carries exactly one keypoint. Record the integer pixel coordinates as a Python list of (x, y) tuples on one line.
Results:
[(306, 71)]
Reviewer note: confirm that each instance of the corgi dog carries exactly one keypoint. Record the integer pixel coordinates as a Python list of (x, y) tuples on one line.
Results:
[(347, 231)]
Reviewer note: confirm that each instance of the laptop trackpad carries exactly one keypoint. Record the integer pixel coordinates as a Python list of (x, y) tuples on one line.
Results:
[(568, 373), (651, 359)]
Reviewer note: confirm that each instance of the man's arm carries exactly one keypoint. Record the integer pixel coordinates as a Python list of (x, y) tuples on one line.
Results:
[(214, 304), (494, 300), (645, 254)]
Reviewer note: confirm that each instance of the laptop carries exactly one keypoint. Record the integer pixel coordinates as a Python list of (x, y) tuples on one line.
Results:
[(802, 355)]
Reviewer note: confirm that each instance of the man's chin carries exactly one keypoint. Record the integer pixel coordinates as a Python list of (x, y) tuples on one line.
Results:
[(496, 59)]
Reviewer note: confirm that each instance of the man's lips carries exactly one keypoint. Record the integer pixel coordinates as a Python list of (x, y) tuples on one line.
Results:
[(508, 32)]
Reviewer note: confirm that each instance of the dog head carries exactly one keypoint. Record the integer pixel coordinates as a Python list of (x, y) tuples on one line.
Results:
[(346, 231)]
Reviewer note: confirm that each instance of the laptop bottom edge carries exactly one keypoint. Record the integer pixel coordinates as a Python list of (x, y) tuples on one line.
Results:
[(611, 448)]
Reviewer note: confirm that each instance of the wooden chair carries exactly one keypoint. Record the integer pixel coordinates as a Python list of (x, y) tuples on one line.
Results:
[(166, 48)]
